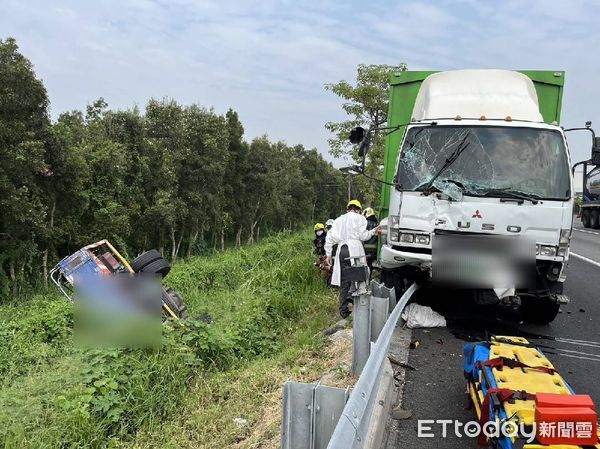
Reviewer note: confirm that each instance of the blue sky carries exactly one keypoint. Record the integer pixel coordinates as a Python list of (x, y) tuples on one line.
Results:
[(269, 60)]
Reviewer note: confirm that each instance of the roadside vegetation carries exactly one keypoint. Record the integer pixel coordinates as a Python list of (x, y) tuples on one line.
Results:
[(267, 307)]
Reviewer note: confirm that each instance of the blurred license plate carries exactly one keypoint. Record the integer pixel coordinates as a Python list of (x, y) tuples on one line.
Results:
[(483, 261)]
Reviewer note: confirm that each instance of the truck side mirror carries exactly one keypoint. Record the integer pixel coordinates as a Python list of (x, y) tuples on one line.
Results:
[(596, 151), (357, 135), (362, 150)]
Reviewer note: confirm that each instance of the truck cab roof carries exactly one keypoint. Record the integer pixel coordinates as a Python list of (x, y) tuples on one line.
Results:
[(494, 94)]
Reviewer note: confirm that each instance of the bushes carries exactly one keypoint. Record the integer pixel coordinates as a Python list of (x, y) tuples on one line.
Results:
[(55, 394)]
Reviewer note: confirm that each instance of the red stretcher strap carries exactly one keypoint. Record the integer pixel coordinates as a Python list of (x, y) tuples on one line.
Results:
[(501, 362), (501, 395)]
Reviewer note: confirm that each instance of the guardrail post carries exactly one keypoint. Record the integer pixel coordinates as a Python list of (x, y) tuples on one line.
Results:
[(358, 426), (361, 332), (310, 414), (379, 314), (391, 294), (376, 289), (328, 405), (296, 432)]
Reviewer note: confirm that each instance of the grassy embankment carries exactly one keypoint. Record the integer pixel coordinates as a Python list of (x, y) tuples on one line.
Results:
[(268, 308)]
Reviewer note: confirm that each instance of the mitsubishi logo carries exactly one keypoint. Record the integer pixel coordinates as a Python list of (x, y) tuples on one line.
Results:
[(477, 214)]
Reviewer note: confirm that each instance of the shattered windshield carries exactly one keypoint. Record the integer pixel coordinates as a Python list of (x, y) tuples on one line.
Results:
[(485, 161)]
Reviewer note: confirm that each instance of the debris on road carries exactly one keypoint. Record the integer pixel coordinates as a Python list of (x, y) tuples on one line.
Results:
[(415, 344), (417, 316)]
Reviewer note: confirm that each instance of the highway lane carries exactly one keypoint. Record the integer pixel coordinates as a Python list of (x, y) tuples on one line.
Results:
[(436, 390)]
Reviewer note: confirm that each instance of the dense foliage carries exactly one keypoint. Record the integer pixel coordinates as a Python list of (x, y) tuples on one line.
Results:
[(178, 178), (56, 394), (366, 104)]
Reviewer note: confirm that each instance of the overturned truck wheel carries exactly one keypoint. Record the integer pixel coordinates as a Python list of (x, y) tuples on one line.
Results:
[(159, 266), (175, 302), (144, 259)]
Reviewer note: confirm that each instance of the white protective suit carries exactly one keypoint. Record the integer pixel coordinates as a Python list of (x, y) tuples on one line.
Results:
[(349, 229)]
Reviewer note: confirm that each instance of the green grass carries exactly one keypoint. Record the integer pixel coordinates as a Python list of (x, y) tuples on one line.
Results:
[(267, 307)]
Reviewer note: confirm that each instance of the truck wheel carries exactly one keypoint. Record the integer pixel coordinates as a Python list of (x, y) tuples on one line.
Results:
[(175, 302), (144, 259), (595, 219), (585, 219), (538, 311), (387, 278), (159, 266)]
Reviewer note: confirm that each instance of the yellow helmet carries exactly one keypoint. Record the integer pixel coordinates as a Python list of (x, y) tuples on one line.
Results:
[(368, 212), (319, 226), (354, 203)]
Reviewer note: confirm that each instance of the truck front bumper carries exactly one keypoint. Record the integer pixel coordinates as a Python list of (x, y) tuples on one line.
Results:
[(394, 257)]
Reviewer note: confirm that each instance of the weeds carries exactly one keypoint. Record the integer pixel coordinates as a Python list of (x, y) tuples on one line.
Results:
[(55, 395)]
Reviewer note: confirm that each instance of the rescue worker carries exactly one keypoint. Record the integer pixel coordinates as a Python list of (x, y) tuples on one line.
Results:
[(371, 244), (328, 225), (348, 232), (319, 241)]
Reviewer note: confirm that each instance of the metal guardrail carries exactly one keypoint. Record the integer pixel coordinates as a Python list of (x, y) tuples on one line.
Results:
[(321, 417), (310, 414), (355, 421), (370, 315)]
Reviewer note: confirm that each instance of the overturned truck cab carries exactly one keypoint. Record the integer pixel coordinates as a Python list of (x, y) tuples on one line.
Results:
[(478, 192)]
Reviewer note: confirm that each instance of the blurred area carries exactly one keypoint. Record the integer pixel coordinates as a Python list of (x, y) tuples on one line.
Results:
[(483, 261), (122, 310)]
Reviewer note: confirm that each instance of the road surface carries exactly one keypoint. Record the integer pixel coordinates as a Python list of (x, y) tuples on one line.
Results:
[(436, 390)]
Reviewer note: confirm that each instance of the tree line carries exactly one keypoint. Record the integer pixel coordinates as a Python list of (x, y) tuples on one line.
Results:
[(179, 178)]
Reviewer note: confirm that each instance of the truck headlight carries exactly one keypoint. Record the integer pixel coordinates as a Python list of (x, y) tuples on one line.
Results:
[(422, 239), (547, 250), (406, 237), (393, 235)]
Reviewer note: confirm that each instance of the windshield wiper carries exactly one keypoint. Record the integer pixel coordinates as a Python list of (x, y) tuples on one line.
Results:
[(459, 184), (451, 159), (507, 192)]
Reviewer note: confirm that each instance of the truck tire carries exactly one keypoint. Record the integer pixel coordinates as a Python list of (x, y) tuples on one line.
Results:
[(159, 266), (144, 259), (538, 311), (595, 219), (586, 220), (175, 302)]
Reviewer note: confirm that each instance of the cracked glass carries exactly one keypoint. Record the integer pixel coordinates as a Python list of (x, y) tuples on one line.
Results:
[(485, 161)]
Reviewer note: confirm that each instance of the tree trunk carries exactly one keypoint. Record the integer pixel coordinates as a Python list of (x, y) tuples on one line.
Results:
[(193, 237), (179, 243), (222, 239), (13, 276), (173, 244), (253, 223), (45, 267), (45, 255), (258, 234), (238, 237)]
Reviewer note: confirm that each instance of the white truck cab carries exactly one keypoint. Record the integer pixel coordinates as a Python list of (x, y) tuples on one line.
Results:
[(477, 159)]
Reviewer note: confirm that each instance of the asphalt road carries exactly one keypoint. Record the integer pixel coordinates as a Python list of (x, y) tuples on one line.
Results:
[(436, 390)]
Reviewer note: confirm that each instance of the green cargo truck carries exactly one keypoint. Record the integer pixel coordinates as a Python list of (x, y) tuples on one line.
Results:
[(477, 190)]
